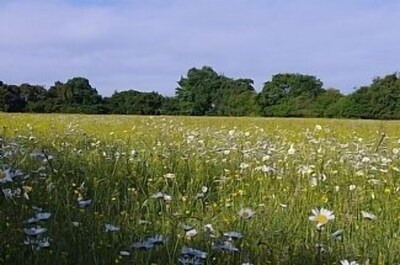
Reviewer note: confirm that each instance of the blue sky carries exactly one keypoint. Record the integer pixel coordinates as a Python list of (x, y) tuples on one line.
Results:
[(148, 45)]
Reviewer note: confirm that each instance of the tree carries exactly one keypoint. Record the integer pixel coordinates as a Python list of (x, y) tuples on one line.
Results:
[(170, 106), (34, 96), (289, 95), (379, 100), (205, 92), (197, 91), (135, 102), (11, 99), (236, 98), (323, 104), (76, 95)]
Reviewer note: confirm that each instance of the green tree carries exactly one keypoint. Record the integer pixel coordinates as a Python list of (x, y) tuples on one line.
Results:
[(197, 91), (236, 98), (170, 106), (35, 97), (76, 95), (135, 102), (380, 100), (289, 95), (338, 109), (323, 104), (11, 99), (205, 92)]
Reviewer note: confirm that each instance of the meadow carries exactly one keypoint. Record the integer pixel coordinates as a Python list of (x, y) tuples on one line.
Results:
[(79, 189)]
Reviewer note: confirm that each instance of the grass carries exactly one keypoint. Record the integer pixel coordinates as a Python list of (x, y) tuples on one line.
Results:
[(211, 168)]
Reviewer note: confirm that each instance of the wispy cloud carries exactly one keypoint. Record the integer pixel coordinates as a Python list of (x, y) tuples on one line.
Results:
[(148, 45)]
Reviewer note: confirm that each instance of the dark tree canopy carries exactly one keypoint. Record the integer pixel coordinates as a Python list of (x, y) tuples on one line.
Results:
[(236, 98), (289, 95), (379, 100), (203, 91), (75, 92), (11, 99), (196, 92), (135, 102)]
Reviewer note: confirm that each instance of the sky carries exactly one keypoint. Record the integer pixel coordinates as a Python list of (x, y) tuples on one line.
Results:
[(147, 45)]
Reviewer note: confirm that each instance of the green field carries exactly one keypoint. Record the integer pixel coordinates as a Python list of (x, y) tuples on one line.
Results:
[(152, 190)]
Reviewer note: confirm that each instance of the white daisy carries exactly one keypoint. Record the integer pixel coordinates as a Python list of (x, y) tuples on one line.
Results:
[(167, 198), (144, 222), (313, 182), (143, 245), (37, 243), (244, 166), (352, 187), (199, 195), (283, 205), (346, 262), (32, 220), (225, 246), (321, 216), (338, 235), (111, 228), (291, 150), (233, 235), (84, 203), (161, 195), (43, 243), (367, 215), (34, 231), (194, 252), (43, 216), (246, 213), (169, 176), (191, 232), (124, 253), (208, 228)]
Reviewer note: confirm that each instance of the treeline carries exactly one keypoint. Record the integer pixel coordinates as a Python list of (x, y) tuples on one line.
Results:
[(205, 92)]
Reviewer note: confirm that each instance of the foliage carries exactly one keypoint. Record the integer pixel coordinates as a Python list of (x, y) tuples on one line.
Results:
[(170, 106), (205, 92), (11, 99), (197, 92), (379, 100), (323, 105), (135, 102), (236, 98), (34, 97), (76, 95), (290, 95)]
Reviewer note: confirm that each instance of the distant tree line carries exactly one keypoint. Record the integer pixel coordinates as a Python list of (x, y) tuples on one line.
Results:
[(205, 92)]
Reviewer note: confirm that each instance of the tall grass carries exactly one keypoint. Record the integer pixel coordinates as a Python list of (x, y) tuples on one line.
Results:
[(151, 176)]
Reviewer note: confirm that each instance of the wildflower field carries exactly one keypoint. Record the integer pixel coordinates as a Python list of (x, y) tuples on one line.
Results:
[(81, 189)]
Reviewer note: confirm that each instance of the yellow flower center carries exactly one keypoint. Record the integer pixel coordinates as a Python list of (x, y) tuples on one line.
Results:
[(321, 219)]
